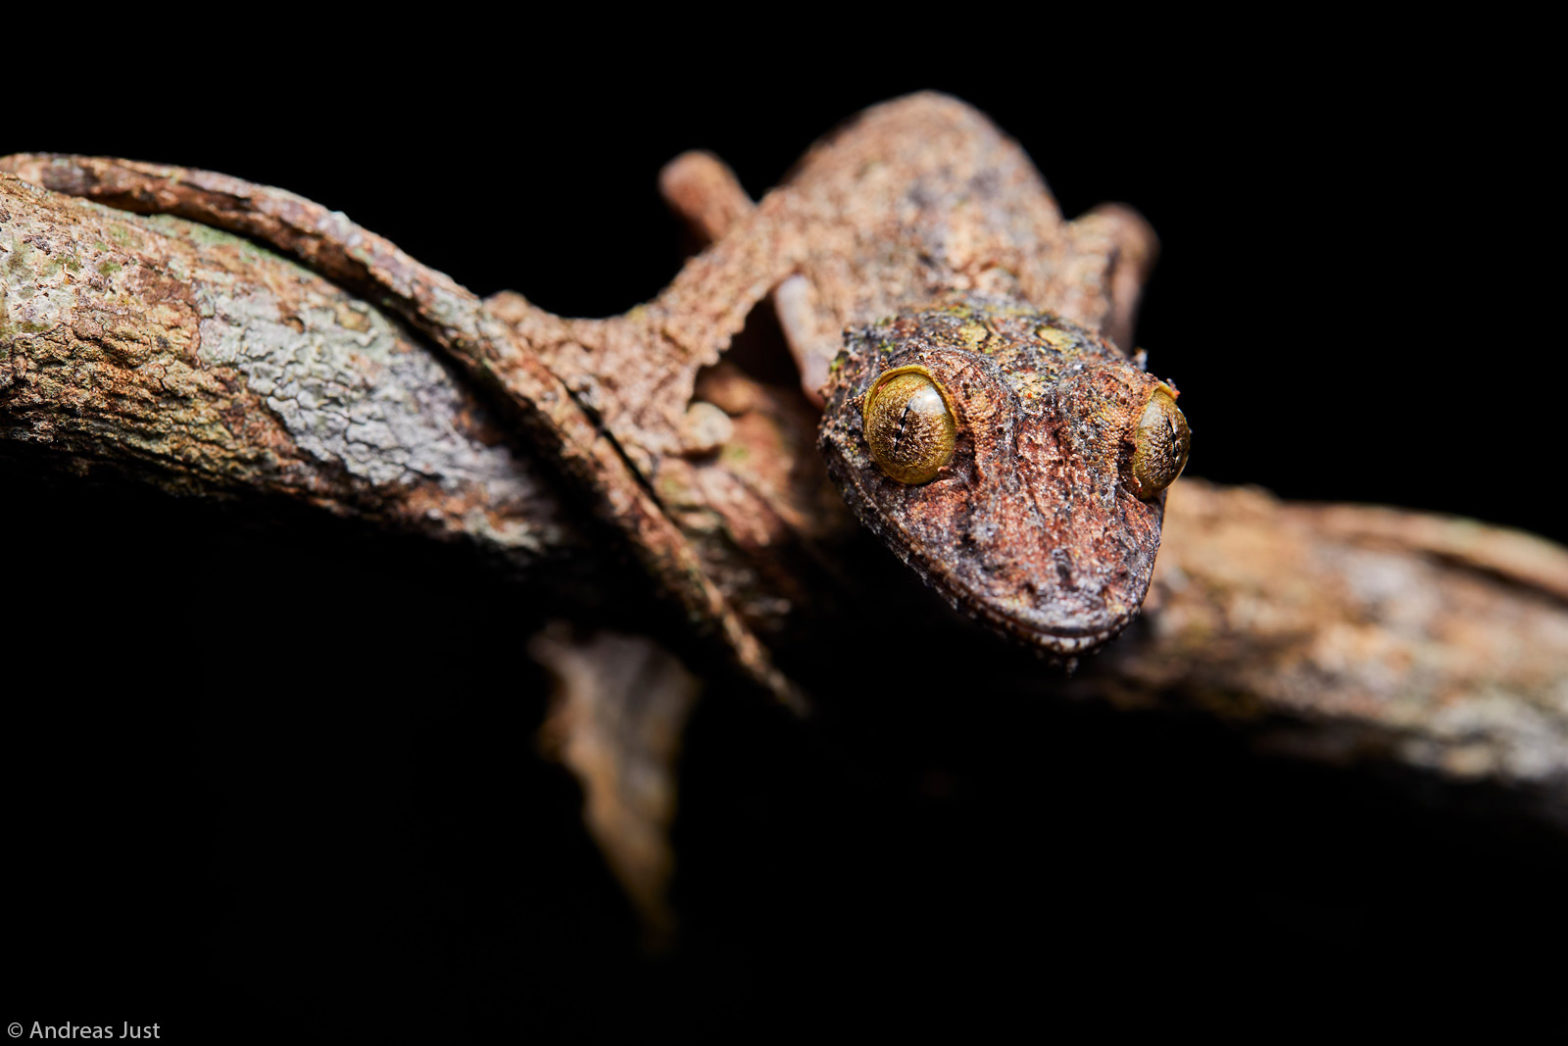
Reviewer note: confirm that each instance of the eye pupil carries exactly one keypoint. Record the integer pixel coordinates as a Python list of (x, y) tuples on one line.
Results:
[(1160, 445), (909, 427)]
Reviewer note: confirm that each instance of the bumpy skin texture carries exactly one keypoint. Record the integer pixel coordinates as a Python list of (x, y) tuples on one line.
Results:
[(914, 198), (1031, 526), (1343, 632)]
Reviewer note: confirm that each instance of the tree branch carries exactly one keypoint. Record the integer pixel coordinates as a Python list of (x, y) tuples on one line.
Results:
[(1357, 634), (196, 361), (203, 364)]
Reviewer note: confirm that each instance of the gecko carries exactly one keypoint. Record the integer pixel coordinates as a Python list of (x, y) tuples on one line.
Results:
[(957, 348)]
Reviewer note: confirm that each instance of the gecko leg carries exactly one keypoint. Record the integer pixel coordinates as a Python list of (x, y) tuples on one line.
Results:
[(703, 190), (1128, 244)]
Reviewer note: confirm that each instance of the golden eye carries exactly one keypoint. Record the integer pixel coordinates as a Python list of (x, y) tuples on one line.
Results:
[(1160, 446), (909, 425)]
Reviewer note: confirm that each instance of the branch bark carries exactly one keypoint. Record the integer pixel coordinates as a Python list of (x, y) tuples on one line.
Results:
[(1358, 634), (199, 362), (503, 357)]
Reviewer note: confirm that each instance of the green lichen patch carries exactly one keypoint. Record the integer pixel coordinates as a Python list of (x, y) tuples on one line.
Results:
[(16, 260), (124, 235)]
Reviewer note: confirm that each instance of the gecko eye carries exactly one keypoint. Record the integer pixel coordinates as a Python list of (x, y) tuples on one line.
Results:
[(909, 425), (1160, 445)]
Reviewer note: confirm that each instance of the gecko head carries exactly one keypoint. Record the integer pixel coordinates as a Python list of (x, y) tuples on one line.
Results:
[(1015, 460)]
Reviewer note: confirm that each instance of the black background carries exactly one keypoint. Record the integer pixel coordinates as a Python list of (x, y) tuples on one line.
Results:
[(277, 781)]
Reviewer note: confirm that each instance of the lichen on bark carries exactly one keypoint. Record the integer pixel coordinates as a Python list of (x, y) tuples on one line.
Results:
[(206, 364)]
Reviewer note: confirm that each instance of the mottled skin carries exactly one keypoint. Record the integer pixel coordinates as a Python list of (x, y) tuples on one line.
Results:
[(1341, 632), (1031, 526), (709, 476)]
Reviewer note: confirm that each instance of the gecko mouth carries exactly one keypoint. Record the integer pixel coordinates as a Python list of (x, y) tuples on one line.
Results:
[(1013, 583), (1032, 625), (1064, 643)]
